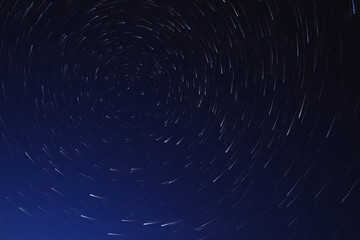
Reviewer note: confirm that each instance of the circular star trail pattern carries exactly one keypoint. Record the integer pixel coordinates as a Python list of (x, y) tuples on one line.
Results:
[(179, 119)]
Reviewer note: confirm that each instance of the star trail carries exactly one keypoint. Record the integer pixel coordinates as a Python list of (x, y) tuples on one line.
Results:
[(149, 119)]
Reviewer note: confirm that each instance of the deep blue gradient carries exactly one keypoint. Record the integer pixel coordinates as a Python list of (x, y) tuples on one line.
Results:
[(179, 120)]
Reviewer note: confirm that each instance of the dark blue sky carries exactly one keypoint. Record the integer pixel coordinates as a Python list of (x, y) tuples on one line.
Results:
[(179, 120)]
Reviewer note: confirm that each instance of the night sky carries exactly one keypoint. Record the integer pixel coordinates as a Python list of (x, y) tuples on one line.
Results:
[(169, 119)]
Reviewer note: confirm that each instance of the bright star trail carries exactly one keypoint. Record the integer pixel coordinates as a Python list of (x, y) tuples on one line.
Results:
[(177, 120)]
